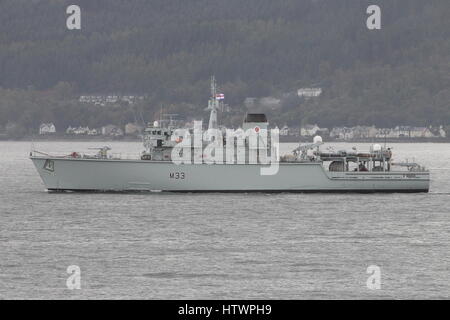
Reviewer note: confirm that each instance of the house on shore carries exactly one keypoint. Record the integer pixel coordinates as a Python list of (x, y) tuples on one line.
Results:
[(309, 130), (442, 132), (364, 132), (342, 133), (414, 132), (112, 130), (47, 128), (284, 131), (308, 93), (81, 131)]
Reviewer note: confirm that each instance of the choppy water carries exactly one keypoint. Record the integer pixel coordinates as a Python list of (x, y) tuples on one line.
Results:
[(214, 246)]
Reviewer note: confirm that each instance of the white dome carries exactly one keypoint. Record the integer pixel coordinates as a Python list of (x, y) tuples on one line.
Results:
[(156, 124), (376, 147), (317, 139)]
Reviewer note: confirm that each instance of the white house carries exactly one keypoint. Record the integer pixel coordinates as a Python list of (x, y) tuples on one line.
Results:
[(112, 130), (81, 130), (284, 131), (70, 130), (309, 92), (309, 130), (442, 132), (387, 133), (103, 100), (107, 130), (47, 128), (421, 132), (364, 132), (342, 133), (403, 131)]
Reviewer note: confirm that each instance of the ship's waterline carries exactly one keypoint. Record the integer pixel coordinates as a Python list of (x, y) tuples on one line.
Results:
[(136, 175)]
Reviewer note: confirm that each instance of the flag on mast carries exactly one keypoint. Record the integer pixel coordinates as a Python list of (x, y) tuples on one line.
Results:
[(220, 96)]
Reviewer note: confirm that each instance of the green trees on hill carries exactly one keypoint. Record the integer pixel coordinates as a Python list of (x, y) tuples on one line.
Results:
[(167, 50)]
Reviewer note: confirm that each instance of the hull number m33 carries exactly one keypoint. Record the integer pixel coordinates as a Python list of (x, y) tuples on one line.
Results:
[(177, 175)]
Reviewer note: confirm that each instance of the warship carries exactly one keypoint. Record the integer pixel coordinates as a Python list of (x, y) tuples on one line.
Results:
[(244, 160)]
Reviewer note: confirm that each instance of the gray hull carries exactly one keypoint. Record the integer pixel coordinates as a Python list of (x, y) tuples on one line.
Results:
[(137, 175)]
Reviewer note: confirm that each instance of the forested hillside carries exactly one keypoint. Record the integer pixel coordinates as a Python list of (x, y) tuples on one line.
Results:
[(168, 49)]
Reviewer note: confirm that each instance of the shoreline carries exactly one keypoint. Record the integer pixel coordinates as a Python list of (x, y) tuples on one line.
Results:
[(283, 139), (72, 139), (367, 140)]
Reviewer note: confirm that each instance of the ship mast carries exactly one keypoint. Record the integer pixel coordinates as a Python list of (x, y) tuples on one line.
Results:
[(213, 105)]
